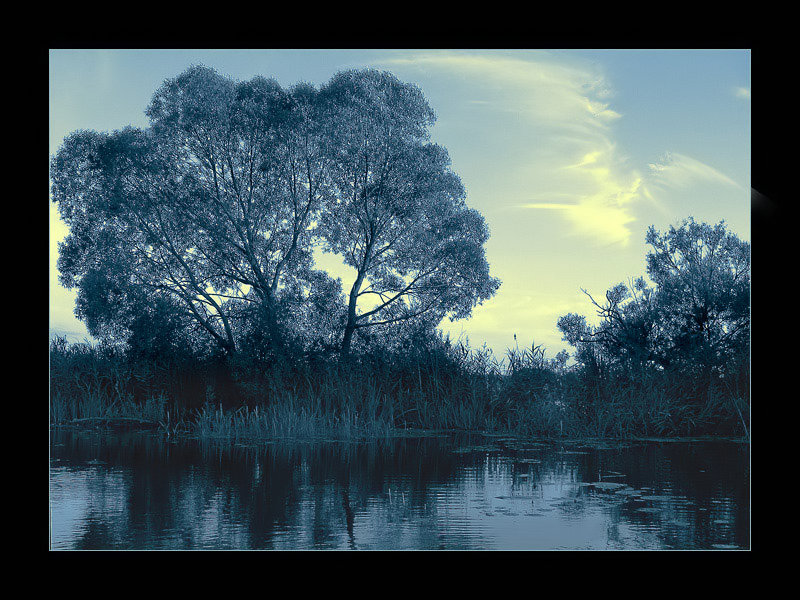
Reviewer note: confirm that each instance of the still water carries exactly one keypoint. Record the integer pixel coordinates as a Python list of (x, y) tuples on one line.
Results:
[(142, 491)]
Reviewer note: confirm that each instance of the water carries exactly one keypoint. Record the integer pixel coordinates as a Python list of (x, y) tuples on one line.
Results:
[(142, 491)]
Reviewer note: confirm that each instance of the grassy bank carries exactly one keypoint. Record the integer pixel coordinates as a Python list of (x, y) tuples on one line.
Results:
[(442, 387)]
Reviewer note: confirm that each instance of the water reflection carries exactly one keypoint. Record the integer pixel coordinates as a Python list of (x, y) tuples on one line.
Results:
[(139, 490)]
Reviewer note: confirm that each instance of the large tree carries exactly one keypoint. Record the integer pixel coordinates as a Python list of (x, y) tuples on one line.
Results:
[(211, 206), (397, 213), (212, 212)]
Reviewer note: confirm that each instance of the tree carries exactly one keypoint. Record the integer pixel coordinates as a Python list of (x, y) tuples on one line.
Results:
[(694, 318), (118, 313), (397, 213), (211, 206), (702, 273), (214, 210), (629, 332)]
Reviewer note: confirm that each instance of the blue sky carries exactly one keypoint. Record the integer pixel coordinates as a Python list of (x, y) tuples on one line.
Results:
[(569, 155)]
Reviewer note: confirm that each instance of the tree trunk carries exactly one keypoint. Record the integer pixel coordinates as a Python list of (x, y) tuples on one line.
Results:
[(273, 328), (346, 340), (351, 316)]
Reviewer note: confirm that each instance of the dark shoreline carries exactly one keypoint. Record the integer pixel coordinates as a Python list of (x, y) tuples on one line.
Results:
[(132, 425)]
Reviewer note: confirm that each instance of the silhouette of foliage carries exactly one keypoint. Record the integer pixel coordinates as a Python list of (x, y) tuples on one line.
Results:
[(695, 317), (212, 213), (398, 215)]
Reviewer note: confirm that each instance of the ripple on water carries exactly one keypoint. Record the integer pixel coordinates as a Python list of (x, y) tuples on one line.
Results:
[(419, 493)]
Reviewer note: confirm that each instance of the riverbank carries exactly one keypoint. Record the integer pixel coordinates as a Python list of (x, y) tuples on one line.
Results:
[(499, 440), (281, 423), (439, 389)]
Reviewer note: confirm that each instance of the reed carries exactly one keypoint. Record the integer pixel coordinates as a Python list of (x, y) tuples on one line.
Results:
[(442, 386)]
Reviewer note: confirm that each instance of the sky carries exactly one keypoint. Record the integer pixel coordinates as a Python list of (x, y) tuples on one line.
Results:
[(570, 155)]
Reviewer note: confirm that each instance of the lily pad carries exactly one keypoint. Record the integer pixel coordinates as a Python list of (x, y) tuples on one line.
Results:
[(514, 497), (608, 486)]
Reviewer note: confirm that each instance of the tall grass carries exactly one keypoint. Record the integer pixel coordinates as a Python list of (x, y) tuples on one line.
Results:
[(441, 386)]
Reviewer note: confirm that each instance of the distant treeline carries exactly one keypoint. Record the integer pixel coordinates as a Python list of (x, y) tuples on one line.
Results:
[(668, 358)]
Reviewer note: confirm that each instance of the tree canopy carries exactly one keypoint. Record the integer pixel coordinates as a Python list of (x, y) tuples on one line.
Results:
[(694, 317), (207, 219), (397, 213)]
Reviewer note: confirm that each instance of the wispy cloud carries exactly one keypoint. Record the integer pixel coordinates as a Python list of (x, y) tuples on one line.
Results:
[(540, 88), (604, 211), (567, 109), (564, 110), (676, 170)]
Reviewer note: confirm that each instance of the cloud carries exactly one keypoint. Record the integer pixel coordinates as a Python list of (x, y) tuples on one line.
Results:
[(605, 210), (679, 171), (742, 92), (542, 89), (567, 157), (564, 108)]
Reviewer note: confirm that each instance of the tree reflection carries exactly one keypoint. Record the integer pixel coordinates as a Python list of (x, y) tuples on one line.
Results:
[(143, 491)]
